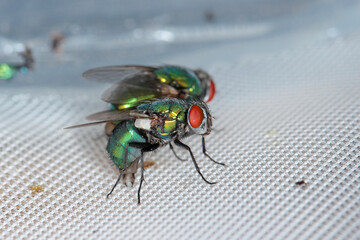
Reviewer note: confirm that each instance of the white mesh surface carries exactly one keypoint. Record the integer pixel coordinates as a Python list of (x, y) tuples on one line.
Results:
[(280, 119)]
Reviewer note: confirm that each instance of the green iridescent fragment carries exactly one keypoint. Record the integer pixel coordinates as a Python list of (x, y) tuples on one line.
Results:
[(133, 101), (160, 106), (179, 78), (112, 107), (169, 126), (165, 136), (124, 133), (181, 117), (126, 105), (6, 71)]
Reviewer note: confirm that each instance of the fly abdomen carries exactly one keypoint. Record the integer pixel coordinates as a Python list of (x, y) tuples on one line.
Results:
[(180, 78), (123, 134)]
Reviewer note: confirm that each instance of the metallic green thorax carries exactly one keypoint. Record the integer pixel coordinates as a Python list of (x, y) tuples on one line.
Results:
[(124, 133), (179, 78), (7, 71), (172, 113), (171, 117)]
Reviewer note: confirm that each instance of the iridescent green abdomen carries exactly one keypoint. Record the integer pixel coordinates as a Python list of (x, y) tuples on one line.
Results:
[(179, 78), (173, 115), (124, 133), (6, 71)]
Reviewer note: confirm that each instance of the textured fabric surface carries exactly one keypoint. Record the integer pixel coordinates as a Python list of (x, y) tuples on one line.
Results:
[(280, 118)]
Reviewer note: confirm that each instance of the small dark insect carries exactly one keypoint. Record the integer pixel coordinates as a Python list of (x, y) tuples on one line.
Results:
[(8, 70), (302, 182), (209, 16), (56, 40)]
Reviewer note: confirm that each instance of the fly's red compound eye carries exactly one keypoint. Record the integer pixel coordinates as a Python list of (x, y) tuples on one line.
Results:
[(196, 116), (211, 91)]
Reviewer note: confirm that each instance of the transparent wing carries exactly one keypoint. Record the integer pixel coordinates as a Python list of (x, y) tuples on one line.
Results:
[(112, 74), (109, 116), (137, 88), (85, 124), (116, 115)]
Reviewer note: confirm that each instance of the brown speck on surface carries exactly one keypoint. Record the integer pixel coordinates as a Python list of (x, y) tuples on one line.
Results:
[(37, 188), (302, 182), (148, 164)]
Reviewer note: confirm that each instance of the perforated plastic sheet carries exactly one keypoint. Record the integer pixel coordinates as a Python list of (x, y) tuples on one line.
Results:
[(280, 118)]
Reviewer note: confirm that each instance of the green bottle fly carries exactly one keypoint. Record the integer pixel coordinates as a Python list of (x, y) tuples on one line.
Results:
[(135, 83), (152, 107), (167, 120), (149, 126)]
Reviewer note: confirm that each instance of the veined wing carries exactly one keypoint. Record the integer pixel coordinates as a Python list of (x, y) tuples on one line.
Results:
[(137, 88), (116, 115), (112, 74), (110, 116)]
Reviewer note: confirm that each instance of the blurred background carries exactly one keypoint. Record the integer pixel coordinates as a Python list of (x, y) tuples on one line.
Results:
[(191, 33), (287, 103)]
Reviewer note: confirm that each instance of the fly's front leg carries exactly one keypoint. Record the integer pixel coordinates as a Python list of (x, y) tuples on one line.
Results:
[(182, 145), (206, 154)]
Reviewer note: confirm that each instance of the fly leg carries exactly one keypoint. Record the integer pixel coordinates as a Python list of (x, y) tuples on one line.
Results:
[(182, 145), (145, 147), (206, 154), (173, 150), (117, 181)]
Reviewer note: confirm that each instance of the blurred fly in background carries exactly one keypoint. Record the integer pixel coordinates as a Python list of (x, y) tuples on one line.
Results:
[(9, 70), (57, 40)]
